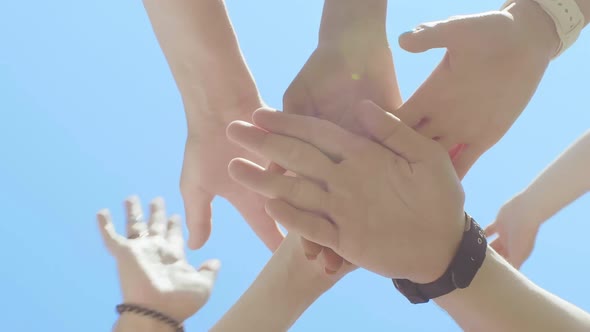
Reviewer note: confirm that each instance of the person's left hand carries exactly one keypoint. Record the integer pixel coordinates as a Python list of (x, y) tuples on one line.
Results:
[(153, 270), (493, 65), (516, 231), (381, 207)]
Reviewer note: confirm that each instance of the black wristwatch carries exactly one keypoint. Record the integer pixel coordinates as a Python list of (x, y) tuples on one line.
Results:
[(463, 268)]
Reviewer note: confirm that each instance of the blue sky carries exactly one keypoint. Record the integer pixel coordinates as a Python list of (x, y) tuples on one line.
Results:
[(90, 114)]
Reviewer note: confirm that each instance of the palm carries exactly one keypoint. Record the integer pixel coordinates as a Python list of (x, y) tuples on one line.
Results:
[(480, 88), (335, 79), (151, 273), (152, 266), (204, 175)]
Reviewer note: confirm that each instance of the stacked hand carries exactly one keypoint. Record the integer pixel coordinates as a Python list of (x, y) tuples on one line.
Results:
[(152, 266), (340, 73), (364, 200)]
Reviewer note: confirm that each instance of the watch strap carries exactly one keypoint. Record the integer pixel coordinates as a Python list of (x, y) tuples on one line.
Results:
[(461, 271), (568, 18)]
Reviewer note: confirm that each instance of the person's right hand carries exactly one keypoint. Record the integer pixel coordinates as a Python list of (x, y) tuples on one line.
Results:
[(383, 205), (516, 233), (493, 65), (204, 175), (153, 269)]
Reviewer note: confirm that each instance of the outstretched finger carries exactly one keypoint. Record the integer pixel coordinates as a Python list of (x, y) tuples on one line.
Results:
[(158, 222), (112, 240), (136, 226), (174, 233)]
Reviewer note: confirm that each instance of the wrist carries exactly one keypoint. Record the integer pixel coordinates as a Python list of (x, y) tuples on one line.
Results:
[(213, 107), (436, 265), (353, 21), (129, 322), (521, 208), (537, 26)]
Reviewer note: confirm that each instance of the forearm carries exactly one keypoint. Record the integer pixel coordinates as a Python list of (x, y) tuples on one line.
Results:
[(353, 19), (129, 322), (284, 289), (203, 53), (502, 299), (565, 180)]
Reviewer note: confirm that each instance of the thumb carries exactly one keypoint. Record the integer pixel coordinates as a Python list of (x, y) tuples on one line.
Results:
[(391, 132), (197, 207), (209, 270), (440, 34), (112, 240)]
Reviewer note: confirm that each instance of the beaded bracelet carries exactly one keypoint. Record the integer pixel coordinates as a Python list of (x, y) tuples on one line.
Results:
[(133, 308)]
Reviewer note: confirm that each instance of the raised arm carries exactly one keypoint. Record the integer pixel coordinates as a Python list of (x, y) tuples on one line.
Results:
[(216, 86), (518, 221), (501, 299), (283, 290), (203, 53)]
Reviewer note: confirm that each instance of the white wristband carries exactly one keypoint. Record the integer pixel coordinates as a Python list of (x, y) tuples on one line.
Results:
[(568, 18)]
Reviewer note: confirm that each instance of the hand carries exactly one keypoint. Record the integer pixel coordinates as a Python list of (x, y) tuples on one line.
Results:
[(152, 267), (337, 76), (381, 207), (204, 175), (493, 65), (516, 233)]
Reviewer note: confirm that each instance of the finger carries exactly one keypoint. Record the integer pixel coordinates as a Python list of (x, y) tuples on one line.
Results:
[(439, 34), (390, 132), (323, 134), (297, 191), (498, 246), (465, 159), (491, 229), (332, 261), (309, 225), (197, 209), (209, 270), (158, 222), (174, 233), (251, 207), (112, 240), (292, 154), (310, 249), (136, 226)]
